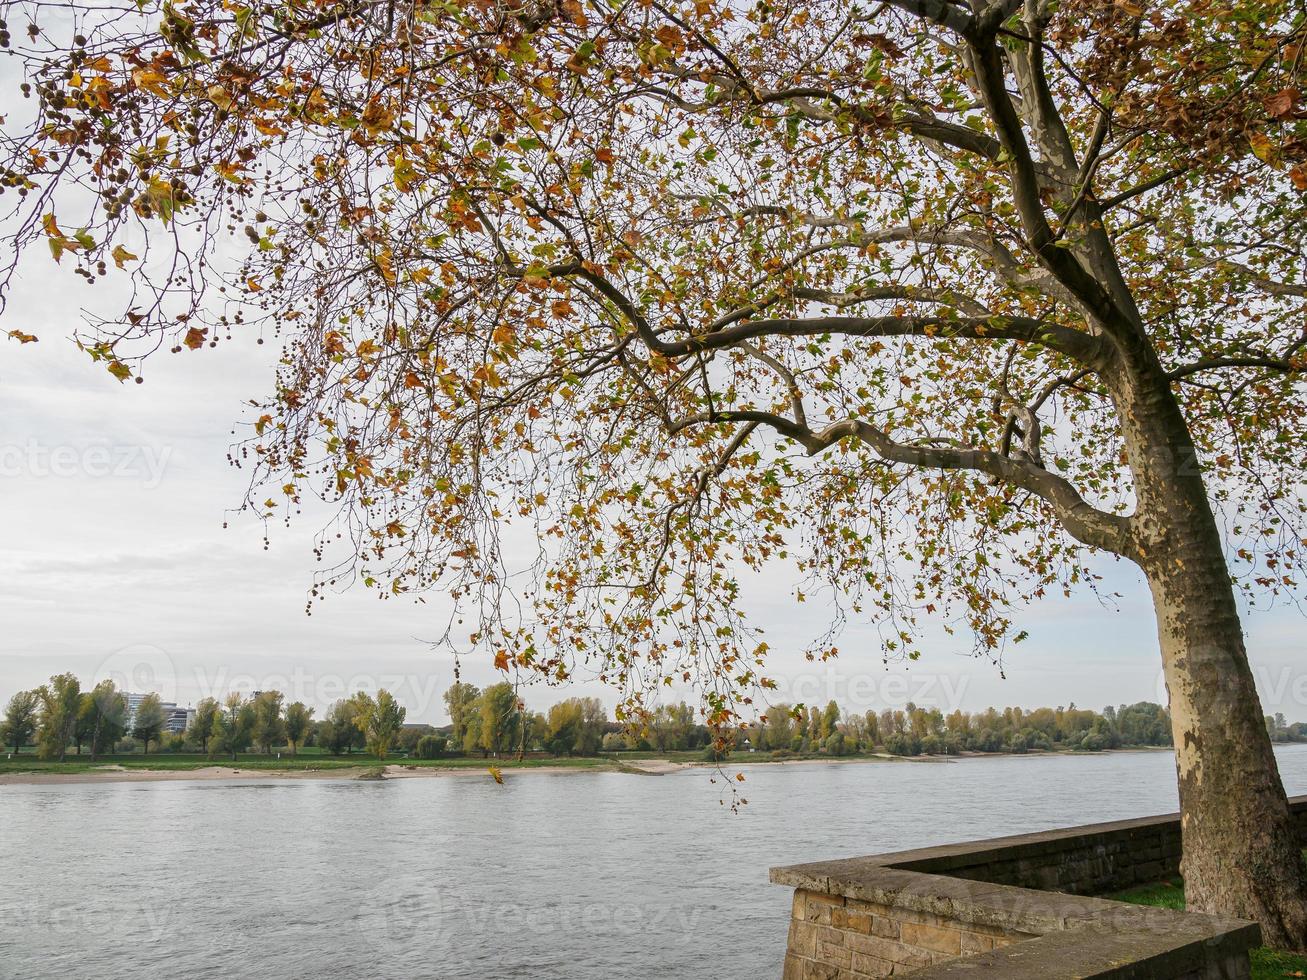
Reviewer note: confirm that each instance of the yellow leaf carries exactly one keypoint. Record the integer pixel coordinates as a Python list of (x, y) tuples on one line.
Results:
[(22, 338), (121, 256), (497, 774), (152, 81), (219, 96)]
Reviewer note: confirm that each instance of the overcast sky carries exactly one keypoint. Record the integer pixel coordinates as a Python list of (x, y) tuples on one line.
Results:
[(115, 563)]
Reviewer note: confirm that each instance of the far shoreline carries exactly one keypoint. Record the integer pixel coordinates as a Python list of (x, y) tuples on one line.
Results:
[(649, 766)]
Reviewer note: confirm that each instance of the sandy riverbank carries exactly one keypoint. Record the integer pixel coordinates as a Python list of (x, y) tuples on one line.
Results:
[(121, 774), (652, 767)]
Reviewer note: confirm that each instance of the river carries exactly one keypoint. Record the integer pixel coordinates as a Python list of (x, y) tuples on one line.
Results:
[(579, 876)]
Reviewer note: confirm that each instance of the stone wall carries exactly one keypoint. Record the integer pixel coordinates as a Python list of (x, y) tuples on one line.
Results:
[(834, 936), (1011, 907)]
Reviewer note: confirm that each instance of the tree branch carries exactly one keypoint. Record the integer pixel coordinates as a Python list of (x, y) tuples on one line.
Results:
[(1086, 523), (1075, 344)]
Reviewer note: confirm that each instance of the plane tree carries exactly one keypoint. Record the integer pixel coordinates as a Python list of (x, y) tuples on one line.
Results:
[(926, 302)]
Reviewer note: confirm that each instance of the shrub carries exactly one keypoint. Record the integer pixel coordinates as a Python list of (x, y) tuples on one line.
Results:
[(430, 747), (174, 742), (900, 744)]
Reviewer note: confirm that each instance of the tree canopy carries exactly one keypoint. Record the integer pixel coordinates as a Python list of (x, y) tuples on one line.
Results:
[(571, 264), (923, 299)]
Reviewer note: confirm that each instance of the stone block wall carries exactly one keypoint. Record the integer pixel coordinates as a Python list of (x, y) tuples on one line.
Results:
[(832, 936), (1011, 908)]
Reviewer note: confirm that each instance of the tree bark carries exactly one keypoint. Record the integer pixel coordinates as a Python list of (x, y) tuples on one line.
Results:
[(1242, 854)]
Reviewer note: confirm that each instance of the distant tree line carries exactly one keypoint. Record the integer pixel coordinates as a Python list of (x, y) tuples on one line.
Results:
[(928, 731), (59, 717)]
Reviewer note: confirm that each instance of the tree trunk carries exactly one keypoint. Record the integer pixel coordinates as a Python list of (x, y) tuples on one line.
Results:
[(1242, 855)]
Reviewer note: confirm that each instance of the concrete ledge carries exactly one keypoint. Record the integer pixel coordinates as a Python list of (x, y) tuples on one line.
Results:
[(1012, 907)]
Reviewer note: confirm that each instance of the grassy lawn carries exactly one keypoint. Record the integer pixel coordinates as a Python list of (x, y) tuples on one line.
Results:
[(307, 761), (1268, 964)]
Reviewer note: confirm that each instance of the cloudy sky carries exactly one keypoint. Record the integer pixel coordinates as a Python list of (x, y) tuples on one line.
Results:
[(114, 562)]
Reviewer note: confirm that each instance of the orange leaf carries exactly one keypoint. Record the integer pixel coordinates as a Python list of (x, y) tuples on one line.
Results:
[(1281, 104), (194, 338), (23, 338), (501, 660)]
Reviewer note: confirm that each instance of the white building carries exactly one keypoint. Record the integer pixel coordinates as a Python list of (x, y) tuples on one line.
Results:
[(175, 720)]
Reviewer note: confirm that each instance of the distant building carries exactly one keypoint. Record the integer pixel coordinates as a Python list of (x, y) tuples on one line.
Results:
[(133, 702), (175, 720)]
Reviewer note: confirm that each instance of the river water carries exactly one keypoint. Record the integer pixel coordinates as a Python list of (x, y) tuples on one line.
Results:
[(579, 876)]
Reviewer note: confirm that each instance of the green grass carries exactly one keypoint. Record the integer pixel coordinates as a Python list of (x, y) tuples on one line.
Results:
[(1163, 894), (1267, 964)]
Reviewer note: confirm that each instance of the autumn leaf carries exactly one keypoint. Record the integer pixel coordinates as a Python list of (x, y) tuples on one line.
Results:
[(219, 96), (121, 256), (501, 660), (119, 370), (1263, 147), (194, 338), (496, 774), (1281, 105), (575, 12), (162, 196), (22, 338), (152, 81)]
